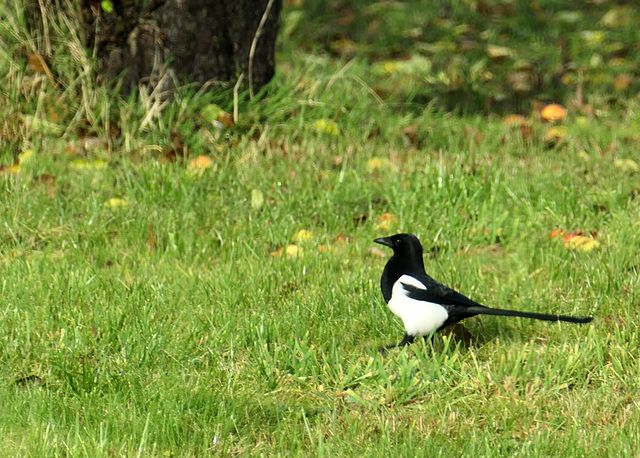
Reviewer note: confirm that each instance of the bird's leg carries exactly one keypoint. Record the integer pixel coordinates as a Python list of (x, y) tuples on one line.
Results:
[(406, 341), (430, 337)]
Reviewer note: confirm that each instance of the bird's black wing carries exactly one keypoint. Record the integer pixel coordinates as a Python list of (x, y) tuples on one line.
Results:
[(438, 293)]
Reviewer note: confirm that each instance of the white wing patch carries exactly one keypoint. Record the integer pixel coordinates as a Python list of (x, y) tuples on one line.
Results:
[(420, 318)]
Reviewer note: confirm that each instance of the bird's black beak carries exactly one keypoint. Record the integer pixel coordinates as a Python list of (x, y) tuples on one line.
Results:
[(386, 241)]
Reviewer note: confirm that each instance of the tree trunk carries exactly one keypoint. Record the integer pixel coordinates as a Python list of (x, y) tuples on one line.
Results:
[(164, 43)]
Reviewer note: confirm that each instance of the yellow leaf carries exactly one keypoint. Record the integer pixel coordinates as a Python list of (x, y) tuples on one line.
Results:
[(6, 170), (555, 134), (627, 165), (291, 251), (415, 66), (26, 157), (257, 199), (115, 202), (327, 126), (553, 112), (81, 164), (377, 163), (593, 38), (302, 236), (580, 242), (201, 162), (294, 251), (498, 52)]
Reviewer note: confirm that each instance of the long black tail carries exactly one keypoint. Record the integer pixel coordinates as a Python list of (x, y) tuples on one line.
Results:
[(480, 310)]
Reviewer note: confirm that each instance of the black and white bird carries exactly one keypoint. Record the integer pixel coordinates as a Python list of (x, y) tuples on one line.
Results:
[(426, 306)]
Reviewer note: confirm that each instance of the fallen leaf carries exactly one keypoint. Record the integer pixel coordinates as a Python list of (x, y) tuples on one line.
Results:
[(415, 65), (81, 164), (580, 242), (622, 82), (327, 126), (327, 249), (338, 244), (555, 134), (514, 120), (302, 236), (115, 202), (200, 163), (257, 199), (376, 163), (26, 158), (498, 52), (556, 233), (553, 112), (593, 38), (6, 169), (291, 251), (341, 240), (385, 222), (627, 165)]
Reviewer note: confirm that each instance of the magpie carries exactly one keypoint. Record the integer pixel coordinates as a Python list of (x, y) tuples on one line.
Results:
[(426, 306)]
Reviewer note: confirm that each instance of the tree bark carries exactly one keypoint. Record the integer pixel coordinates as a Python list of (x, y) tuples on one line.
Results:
[(164, 43)]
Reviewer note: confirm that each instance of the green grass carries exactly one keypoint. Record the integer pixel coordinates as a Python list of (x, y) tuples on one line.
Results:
[(166, 326)]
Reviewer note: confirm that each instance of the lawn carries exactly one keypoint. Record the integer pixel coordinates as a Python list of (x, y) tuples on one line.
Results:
[(172, 285)]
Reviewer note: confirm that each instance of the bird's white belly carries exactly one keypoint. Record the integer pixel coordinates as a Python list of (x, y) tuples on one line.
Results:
[(420, 318)]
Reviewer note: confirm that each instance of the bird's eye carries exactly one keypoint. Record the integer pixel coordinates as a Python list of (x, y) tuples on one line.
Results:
[(397, 241)]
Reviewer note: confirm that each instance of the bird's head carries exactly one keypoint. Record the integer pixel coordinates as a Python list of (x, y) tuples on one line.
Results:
[(405, 245), (406, 260)]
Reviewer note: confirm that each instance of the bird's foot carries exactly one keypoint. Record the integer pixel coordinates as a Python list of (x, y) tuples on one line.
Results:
[(406, 341)]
